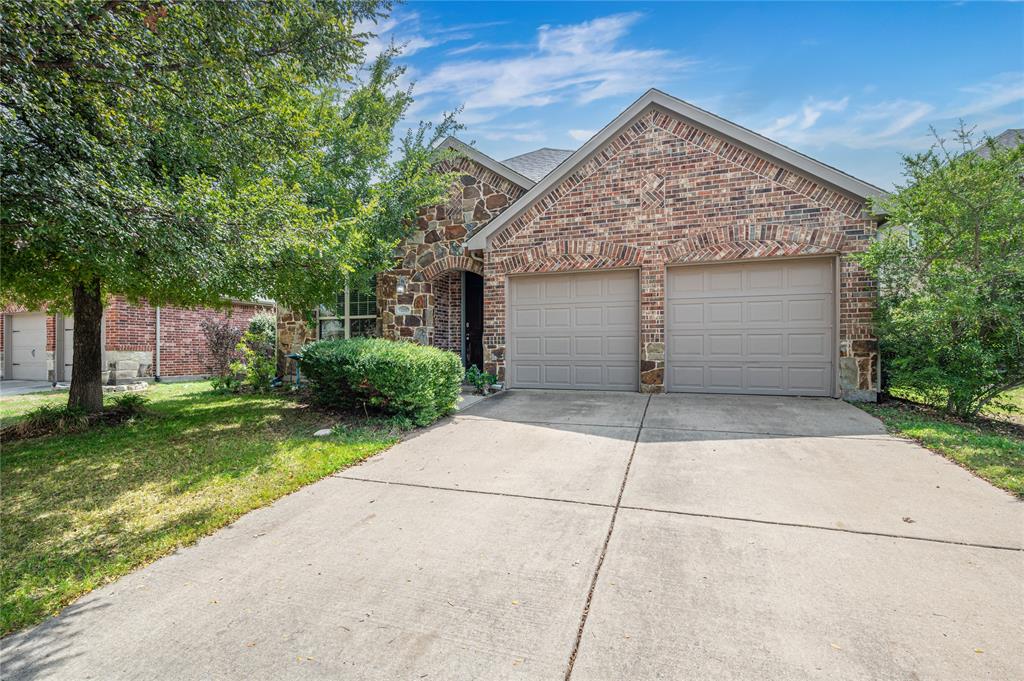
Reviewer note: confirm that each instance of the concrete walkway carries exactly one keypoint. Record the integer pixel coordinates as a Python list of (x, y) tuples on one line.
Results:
[(13, 386), (554, 535)]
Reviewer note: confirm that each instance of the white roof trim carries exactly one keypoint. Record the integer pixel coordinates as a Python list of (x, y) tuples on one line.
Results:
[(736, 133), (486, 161)]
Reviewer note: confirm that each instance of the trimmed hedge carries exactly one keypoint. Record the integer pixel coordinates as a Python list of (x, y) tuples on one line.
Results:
[(398, 377)]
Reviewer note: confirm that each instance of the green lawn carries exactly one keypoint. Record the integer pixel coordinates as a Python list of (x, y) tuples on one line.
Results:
[(80, 510), (993, 448)]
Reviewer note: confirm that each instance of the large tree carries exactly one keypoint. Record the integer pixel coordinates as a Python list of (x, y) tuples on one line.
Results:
[(951, 274), (190, 151)]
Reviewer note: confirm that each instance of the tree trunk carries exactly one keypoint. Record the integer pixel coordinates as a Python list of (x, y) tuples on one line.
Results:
[(87, 367)]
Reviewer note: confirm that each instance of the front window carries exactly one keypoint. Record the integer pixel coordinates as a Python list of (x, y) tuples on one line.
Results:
[(354, 314)]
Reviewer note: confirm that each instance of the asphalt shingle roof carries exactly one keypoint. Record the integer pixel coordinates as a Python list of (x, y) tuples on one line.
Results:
[(1008, 138), (536, 164)]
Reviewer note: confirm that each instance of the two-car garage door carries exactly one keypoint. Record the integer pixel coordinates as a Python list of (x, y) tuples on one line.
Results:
[(761, 328)]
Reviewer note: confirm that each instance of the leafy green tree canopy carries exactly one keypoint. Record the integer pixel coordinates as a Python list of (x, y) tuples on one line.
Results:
[(189, 151), (950, 267)]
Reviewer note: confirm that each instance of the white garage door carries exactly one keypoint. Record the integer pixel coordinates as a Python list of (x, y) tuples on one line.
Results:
[(762, 328), (574, 331), (28, 346)]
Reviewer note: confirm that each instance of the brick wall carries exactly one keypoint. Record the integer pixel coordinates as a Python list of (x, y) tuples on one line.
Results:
[(130, 337), (664, 192), (132, 329), (447, 291)]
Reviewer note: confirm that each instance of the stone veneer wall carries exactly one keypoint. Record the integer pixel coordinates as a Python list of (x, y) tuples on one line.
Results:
[(435, 249), (664, 192), (294, 329)]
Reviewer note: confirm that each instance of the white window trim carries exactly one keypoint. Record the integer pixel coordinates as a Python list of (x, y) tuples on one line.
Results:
[(347, 317)]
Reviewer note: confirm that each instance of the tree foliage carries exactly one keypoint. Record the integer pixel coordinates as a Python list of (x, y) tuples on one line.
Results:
[(187, 151), (950, 267)]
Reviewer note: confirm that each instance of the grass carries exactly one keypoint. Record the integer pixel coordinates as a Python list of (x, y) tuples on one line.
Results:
[(992, 446), (81, 510)]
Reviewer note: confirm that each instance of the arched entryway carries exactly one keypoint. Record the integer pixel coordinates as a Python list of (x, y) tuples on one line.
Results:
[(458, 314)]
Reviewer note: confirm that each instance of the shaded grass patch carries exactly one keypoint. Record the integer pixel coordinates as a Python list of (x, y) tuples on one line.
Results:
[(82, 509)]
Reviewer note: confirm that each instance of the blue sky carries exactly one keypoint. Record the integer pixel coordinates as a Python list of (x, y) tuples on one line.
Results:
[(854, 84)]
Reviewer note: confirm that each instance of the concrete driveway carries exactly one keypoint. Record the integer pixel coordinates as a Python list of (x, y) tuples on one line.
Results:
[(549, 535)]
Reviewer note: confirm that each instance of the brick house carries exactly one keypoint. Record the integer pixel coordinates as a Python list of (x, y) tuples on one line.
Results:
[(139, 341), (674, 251)]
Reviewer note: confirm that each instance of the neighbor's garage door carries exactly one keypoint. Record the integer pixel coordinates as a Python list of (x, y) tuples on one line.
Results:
[(28, 346), (574, 331), (760, 328)]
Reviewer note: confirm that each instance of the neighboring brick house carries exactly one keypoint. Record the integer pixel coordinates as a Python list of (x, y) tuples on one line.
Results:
[(673, 251), (35, 345)]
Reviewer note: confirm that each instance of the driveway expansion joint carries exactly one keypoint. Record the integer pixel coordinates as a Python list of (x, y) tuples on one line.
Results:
[(442, 488), (604, 548), (807, 526)]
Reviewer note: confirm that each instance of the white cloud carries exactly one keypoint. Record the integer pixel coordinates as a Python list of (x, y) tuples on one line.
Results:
[(898, 124), (528, 131), (404, 30), (581, 135), (580, 62)]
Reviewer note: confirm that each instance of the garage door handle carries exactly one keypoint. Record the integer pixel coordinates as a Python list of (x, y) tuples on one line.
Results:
[(33, 352)]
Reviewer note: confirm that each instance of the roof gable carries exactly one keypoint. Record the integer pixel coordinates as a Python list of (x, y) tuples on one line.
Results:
[(486, 161), (656, 101)]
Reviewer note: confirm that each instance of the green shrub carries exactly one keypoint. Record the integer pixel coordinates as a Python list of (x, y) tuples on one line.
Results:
[(257, 364), (950, 315), (481, 380), (415, 381), (262, 332), (129, 404)]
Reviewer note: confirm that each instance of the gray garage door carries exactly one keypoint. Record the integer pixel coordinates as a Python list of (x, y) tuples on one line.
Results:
[(574, 331), (763, 328)]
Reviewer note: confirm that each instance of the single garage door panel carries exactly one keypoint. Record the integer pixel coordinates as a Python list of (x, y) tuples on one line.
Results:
[(574, 331), (755, 328)]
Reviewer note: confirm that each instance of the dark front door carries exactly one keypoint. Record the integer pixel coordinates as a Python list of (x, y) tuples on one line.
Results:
[(473, 310)]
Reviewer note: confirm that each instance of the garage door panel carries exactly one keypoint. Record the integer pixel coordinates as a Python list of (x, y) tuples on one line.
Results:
[(812, 310), (557, 373), (556, 346), (724, 312), (764, 346), (686, 314), (557, 289), (621, 316), (527, 317), (527, 346), (810, 378), (588, 375), (587, 335), (771, 335), (621, 376), (686, 346), (590, 316), (766, 311), (809, 346), (724, 377), (621, 347), (721, 346), (555, 317), (765, 377)]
